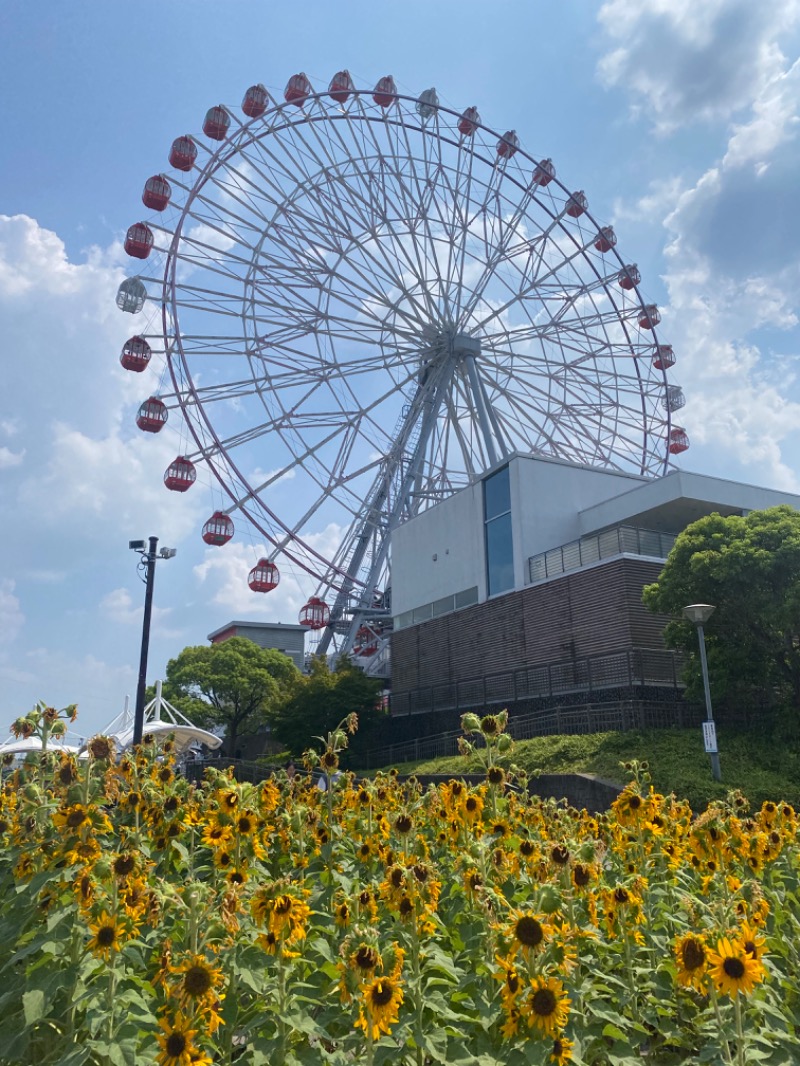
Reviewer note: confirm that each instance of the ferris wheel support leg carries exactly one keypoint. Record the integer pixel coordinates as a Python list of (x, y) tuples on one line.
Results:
[(485, 416), (426, 411)]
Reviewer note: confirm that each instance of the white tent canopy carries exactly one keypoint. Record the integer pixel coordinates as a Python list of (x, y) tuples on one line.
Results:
[(161, 719), (23, 745)]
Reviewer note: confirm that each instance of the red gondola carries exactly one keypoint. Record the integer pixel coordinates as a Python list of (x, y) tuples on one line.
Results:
[(385, 92), (152, 416), (577, 204), (180, 475), (468, 122), (606, 239), (216, 123), (341, 86), (678, 440), (315, 614), (649, 317), (255, 101), (264, 577), (544, 173), (183, 153), (139, 240), (508, 144), (664, 357), (629, 277), (297, 90), (157, 192), (218, 530), (135, 354)]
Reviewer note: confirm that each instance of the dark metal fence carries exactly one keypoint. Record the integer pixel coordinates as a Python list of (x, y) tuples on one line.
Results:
[(618, 716), (597, 674)]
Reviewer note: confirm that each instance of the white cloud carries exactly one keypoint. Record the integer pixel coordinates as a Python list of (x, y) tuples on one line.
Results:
[(11, 617), (9, 458), (118, 606), (688, 60)]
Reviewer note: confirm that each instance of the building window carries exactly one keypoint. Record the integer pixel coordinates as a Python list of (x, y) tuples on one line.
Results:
[(497, 518)]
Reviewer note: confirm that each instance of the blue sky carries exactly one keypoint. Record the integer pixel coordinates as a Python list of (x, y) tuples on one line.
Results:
[(678, 117)]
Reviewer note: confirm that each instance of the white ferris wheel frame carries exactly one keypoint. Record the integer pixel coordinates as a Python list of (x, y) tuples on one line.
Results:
[(457, 394)]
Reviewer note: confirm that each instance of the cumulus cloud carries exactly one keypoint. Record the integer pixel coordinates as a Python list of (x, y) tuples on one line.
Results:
[(11, 617), (684, 60), (731, 268)]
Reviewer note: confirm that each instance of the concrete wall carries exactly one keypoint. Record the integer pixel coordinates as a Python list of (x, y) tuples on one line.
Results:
[(440, 552)]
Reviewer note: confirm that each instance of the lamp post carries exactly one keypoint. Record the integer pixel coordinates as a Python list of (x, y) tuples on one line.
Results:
[(698, 614), (148, 565)]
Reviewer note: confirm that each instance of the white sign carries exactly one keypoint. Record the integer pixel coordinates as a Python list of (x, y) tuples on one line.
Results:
[(710, 737)]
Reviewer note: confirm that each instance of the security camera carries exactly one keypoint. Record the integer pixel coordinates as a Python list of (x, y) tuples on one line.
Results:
[(136, 545), (168, 553)]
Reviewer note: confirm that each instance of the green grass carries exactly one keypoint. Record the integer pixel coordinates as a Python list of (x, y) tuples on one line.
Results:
[(760, 767)]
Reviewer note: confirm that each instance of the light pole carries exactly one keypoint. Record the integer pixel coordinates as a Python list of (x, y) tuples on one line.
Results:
[(698, 614), (148, 566)]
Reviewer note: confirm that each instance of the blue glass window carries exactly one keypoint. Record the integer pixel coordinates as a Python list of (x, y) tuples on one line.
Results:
[(499, 544)]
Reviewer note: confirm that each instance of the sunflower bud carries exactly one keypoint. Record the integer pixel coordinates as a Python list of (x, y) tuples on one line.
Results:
[(505, 742), (549, 900), (470, 723)]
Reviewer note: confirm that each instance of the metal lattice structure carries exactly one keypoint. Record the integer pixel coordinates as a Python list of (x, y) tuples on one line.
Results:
[(367, 300)]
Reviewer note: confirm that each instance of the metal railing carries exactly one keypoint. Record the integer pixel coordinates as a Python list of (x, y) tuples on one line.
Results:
[(621, 540), (580, 718), (634, 668)]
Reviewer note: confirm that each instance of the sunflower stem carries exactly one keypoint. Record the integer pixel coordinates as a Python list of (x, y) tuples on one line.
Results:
[(723, 1041), (737, 1009)]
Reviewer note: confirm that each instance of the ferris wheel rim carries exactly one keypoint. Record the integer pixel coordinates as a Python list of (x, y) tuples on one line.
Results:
[(218, 158)]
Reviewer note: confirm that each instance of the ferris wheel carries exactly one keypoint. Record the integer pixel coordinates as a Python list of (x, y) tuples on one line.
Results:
[(365, 300)]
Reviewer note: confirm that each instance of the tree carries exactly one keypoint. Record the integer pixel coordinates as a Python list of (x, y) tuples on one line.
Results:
[(235, 684), (322, 699), (749, 569)]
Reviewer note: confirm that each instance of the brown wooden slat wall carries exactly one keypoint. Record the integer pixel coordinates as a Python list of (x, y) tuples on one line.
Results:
[(591, 612)]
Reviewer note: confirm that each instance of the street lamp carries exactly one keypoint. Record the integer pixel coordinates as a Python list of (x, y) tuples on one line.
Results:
[(698, 614), (147, 564)]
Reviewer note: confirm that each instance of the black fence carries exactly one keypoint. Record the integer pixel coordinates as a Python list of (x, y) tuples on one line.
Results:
[(600, 674), (619, 716)]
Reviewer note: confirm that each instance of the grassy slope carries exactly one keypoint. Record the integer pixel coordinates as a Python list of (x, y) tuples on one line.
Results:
[(762, 769)]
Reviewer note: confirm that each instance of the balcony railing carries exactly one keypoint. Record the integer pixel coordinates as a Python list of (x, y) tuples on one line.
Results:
[(621, 540)]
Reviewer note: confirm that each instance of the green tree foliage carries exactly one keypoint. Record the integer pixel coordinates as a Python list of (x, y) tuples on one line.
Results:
[(749, 569), (322, 699), (235, 684)]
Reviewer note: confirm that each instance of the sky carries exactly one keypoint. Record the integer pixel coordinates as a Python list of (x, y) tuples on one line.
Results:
[(678, 117)]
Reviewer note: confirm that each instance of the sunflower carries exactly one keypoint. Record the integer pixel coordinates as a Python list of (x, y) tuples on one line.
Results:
[(546, 1006), (751, 940), (200, 981), (177, 1043), (733, 969), (691, 955), (380, 1003), (529, 933), (562, 1051), (107, 935)]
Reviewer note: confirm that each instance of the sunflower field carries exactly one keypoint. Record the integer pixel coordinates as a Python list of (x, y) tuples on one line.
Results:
[(146, 920)]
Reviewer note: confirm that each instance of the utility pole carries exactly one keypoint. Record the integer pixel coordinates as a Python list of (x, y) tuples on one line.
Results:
[(148, 564)]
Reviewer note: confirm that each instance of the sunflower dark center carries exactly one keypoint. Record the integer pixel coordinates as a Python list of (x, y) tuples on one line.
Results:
[(175, 1045), (734, 968), (621, 895), (496, 775), (76, 818), (560, 855), (489, 725), (283, 904), (543, 1002), (582, 875), (366, 957), (106, 935), (382, 992), (123, 864), (471, 804), (512, 981), (693, 955), (404, 824), (197, 980), (529, 932)]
